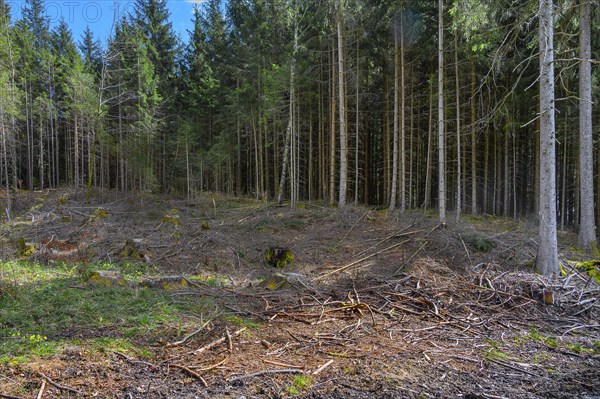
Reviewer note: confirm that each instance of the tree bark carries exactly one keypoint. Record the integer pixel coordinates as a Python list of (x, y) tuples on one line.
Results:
[(587, 228), (394, 187), (547, 255), (428, 167), (342, 107), (441, 134), (458, 135), (473, 142)]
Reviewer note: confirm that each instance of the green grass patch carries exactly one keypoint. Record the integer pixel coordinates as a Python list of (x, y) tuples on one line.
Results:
[(242, 322), (478, 242), (43, 307), (592, 268), (299, 384)]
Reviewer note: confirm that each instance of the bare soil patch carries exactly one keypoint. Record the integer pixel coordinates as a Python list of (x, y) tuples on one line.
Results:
[(375, 305)]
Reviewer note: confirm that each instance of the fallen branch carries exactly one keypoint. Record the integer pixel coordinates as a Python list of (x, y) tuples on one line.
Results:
[(323, 367), (411, 257), (191, 372), (41, 391), (214, 366), (265, 372), (509, 366), (217, 342), (187, 337), (291, 366), (8, 396), (56, 385), (341, 269), (351, 228), (229, 340), (135, 361)]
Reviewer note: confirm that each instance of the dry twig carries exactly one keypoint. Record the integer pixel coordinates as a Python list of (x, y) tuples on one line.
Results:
[(322, 367), (265, 372), (187, 337), (56, 385), (341, 269), (42, 388), (191, 372)]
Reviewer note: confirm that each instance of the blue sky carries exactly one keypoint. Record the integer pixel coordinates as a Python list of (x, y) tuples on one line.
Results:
[(99, 14)]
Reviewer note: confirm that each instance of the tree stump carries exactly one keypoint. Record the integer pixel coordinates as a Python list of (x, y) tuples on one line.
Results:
[(279, 257)]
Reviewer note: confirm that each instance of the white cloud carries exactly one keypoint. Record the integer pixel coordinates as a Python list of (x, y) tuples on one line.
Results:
[(195, 1)]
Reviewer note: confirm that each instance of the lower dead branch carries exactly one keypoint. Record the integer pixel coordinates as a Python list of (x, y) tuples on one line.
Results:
[(266, 372), (56, 385), (135, 361), (190, 372), (322, 367), (214, 366), (218, 341), (189, 336), (341, 269), (289, 366), (42, 389)]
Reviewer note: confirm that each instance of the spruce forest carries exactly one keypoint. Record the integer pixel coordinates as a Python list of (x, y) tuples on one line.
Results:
[(302, 199), (252, 98)]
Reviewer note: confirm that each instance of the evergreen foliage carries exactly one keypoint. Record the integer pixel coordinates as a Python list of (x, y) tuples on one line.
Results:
[(209, 112)]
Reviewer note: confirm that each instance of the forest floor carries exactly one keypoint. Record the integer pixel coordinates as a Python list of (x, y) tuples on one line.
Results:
[(374, 305)]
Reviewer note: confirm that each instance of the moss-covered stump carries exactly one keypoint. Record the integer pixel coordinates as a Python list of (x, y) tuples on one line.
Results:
[(24, 248), (281, 280), (111, 278), (279, 257), (106, 278), (134, 249), (168, 283), (591, 268)]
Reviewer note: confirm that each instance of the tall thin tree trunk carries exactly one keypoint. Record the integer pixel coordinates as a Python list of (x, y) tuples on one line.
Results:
[(332, 114), (486, 168), (473, 141), (546, 261), (394, 188), (506, 201), (458, 135), (342, 105), (441, 133), (427, 199), (402, 120), (290, 125), (587, 228), (357, 127)]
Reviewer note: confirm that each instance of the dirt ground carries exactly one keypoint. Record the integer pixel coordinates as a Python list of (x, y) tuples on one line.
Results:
[(374, 305)]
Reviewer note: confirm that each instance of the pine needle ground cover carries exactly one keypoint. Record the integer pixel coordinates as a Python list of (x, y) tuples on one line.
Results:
[(374, 305)]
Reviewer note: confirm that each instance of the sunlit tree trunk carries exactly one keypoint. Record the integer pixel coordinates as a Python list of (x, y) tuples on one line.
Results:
[(402, 120), (427, 199), (547, 255), (441, 133), (357, 127), (587, 228), (473, 142), (458, 135), (290, 125), (342, 106), (394, 188)]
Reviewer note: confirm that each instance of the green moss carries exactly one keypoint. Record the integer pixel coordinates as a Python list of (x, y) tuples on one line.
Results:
[(101, 213), (23, 248), (243, 322), (478, 242), (279, 257), (592, 268), (48, 302), (299, 384)]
